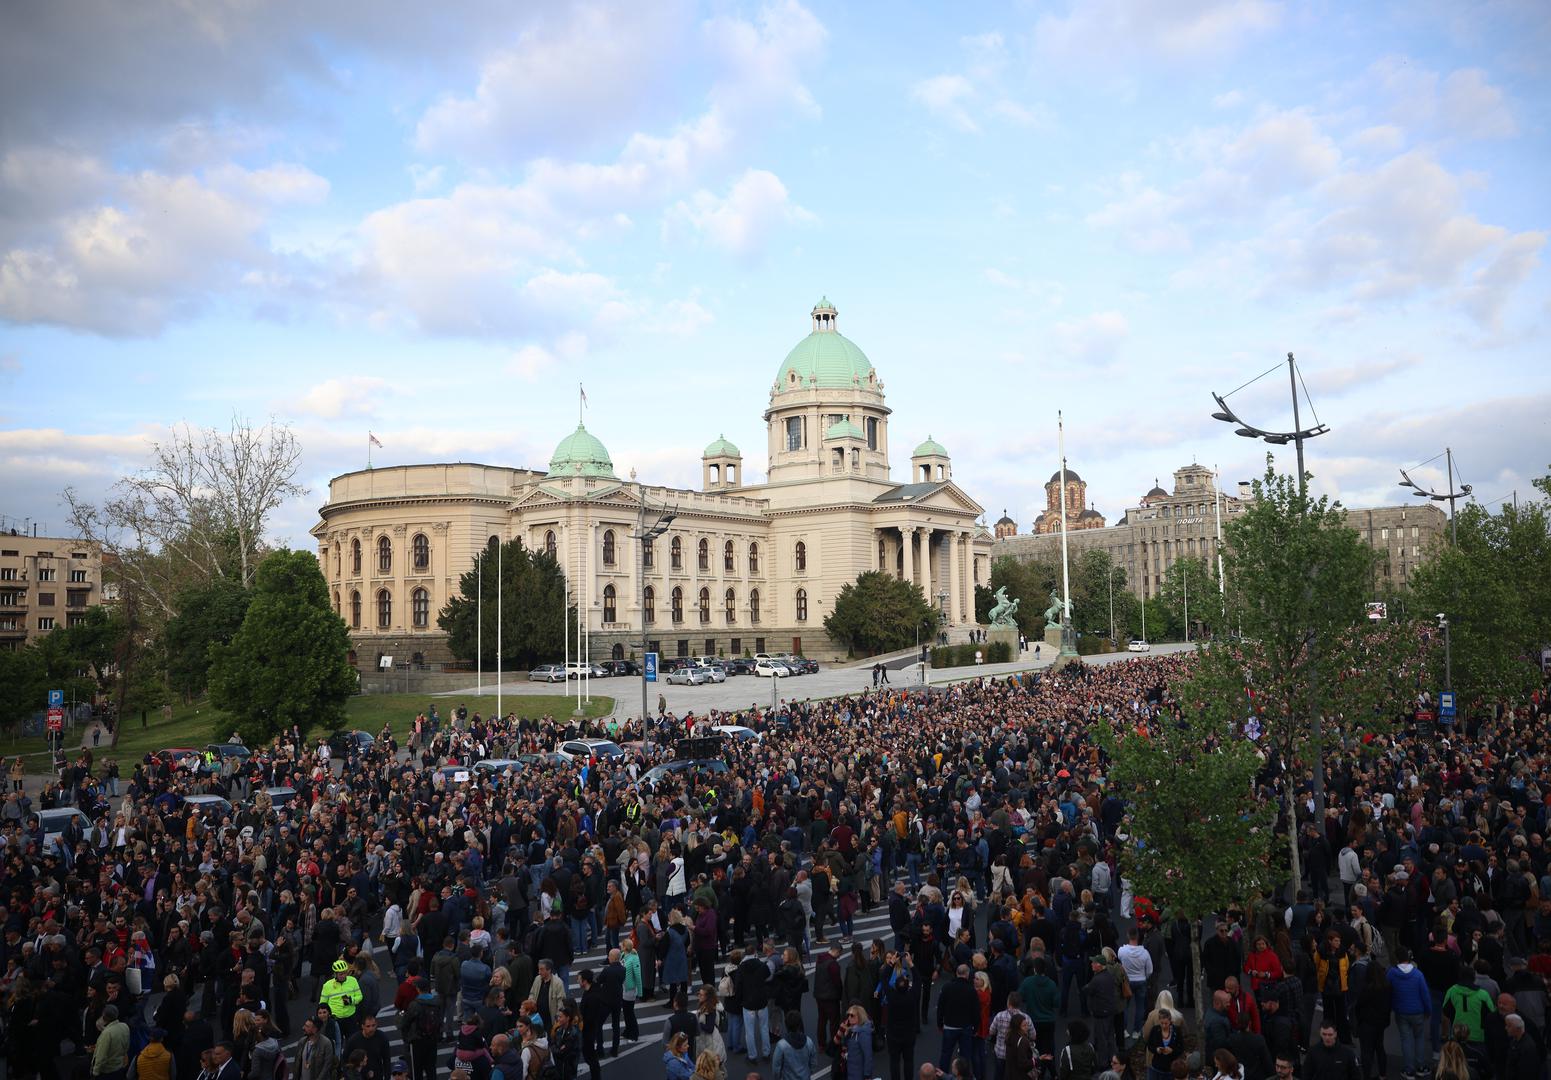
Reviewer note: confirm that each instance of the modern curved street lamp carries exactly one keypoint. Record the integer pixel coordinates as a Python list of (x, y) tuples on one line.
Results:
[(1276, 438)]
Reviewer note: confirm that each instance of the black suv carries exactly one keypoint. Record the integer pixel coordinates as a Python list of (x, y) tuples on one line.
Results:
[(621, 667)]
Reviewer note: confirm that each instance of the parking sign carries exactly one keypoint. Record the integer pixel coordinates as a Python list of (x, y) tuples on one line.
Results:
[(651, 667), (56, 698)]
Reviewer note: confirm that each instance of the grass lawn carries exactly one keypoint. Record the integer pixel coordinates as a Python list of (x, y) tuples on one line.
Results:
[(198, 724)]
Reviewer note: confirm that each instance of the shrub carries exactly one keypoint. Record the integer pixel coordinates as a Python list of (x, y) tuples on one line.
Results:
[(998, 652)]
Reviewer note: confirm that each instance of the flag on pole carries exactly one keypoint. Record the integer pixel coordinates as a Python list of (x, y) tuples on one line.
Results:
[(583, 389), (375, 441)]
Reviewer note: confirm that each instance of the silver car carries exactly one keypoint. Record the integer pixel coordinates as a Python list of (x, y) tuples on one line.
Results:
[(715, 672), (547, 673), (688, 676)]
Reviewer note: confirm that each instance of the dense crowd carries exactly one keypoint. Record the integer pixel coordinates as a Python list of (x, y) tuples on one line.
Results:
[(167, 943)]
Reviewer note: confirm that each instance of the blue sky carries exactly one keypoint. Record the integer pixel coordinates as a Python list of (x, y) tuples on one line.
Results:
[(353, 218)]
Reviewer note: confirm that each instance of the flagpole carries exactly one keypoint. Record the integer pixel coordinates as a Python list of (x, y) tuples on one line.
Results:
[(369, 441), (498, 624), (1066, 579), (479, 619)]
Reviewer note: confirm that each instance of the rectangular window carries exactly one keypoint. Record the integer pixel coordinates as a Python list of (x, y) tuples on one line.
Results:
[(1413, 532), (46, 622), (710, 646), (77, 597), (759, 644), (45, 599), (1384, 533), (794, 433), (74, 620), (45, 574), (872, 433), (655, 646), (683, 646), (78, 576), (10, 551), (735, 647)]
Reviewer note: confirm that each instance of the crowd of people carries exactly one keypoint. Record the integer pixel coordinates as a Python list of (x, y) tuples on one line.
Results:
[(168, 942)]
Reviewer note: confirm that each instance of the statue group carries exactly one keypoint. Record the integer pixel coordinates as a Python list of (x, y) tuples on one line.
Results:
[(1003, 611), (1053, 612)]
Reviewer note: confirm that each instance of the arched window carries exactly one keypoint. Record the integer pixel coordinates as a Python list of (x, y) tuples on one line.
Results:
[(754, 606), (729, 561), (384, 609), (801, 559), (355, 609), (883, 553), (618, 652), (802, 605), (609, 607), (338, 561), (337, 610), (705, 605), (649, 604), (355, 557), (648, 555), (549, 543), (703, 554), (420, 608), (420, 553), (731, 603), (753, 558), (676, 554), (608, 547), (384, 555), (678, 604)]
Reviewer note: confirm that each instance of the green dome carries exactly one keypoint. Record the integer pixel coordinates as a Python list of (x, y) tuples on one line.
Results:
[(930, 448), (844, 429), (825, 358), (580, 453), (721, 448)]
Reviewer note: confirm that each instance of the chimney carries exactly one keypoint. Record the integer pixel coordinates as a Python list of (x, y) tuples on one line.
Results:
[(1244, 490)]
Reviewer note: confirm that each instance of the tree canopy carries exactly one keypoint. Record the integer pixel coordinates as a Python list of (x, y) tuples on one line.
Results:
[(289, 664), (879, 613), (208, 615), (532, 602)]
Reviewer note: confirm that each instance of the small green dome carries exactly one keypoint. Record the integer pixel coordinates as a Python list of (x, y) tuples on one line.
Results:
[(721, 448), (580, 453), (930, 448), (844, 429)]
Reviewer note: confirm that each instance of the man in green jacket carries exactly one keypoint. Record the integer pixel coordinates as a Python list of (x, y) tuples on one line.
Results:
[(110, 1054)]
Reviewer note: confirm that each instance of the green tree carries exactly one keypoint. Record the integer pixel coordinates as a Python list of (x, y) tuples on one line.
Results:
[(879, 613), (1310, 665), (985, 600), (1096, 580), (289, 664), (1190, 585), (533, 609), (23, 688), (1494, 584), (1198, 837), (208, 615)]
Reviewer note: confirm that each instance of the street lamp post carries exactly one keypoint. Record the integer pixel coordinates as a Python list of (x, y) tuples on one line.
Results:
[(1440, 496), (1297, 437), (646, 536)]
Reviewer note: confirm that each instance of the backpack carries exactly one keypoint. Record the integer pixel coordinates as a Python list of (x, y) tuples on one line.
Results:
[(428, 1023), (542, 1066)]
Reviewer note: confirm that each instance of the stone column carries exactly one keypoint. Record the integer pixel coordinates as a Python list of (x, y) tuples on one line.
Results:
[(955, 583), (926, 561), (907, 546)]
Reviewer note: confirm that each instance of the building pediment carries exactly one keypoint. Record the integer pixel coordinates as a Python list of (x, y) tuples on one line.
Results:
[(941, 495)]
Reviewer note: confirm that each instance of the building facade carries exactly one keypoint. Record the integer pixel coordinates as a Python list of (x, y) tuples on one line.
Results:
[(45, 583), (1072, 503), (742, 568), (1166, 526)]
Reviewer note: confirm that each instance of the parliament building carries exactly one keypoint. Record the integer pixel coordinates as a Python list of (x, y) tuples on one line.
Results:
[(742, 568)]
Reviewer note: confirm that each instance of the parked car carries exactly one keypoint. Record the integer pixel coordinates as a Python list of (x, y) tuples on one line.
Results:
[(621, 667), (279, 797), (688, 676), (225, 750), (575, 669), (737, 732), (674, 663), (715, 672), (497, 766), (56, 819), (453, 774), (768, 668), (178, 755), (210, 806), (588, 749), (803, 665), (655, 775), (740, 666), (1138, 645), (341, 743), (550, 673), (548, 759)]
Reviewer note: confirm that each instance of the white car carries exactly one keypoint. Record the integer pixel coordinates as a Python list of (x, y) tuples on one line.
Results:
[(1138, 645), (575, 669), (769, 669), (737, 732), (588, 749)]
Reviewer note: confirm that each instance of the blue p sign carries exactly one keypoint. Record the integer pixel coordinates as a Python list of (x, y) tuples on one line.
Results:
[(651, 667), (56, 698)]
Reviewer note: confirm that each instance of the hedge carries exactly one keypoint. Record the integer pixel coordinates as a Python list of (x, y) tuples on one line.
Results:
[(995, 652)]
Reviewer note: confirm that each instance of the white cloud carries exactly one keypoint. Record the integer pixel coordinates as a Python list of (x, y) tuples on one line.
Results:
[(1492, 285), (1093, 340), (1176, 29), (964, 100), (1461, 105), (532, 361), (353, 395), (742, 222), (945, 97), (578, 73)]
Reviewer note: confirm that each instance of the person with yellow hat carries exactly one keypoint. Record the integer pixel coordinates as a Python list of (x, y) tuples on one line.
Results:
[(342, 994)]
